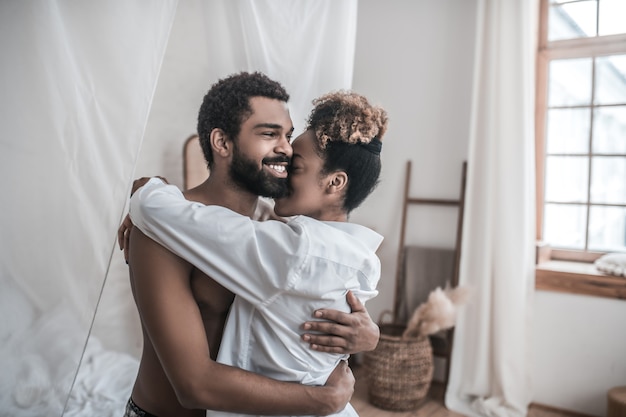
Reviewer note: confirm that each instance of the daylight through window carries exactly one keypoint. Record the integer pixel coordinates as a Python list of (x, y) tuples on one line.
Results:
[(581, 128)]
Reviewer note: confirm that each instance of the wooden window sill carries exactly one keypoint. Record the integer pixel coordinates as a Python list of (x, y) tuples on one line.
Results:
[(578, 278)]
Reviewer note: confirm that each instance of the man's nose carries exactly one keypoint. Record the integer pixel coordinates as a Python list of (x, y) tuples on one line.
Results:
[(284, 146)]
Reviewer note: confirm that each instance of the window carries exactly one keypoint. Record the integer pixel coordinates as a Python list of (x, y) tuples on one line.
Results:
[(581, 128), (581, 142)]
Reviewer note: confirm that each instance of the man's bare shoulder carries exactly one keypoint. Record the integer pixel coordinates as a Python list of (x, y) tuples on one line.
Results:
[(199, 195)]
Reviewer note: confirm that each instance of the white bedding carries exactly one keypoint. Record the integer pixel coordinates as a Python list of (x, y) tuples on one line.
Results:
[(40, 355)]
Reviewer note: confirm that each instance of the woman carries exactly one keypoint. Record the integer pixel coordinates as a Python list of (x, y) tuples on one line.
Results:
[(284, 270)]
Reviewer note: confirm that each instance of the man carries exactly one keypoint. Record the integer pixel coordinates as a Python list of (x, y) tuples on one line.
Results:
[(243, 124)]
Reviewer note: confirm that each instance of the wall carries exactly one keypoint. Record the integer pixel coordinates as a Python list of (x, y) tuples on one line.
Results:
[(415, 58), (579, 350)]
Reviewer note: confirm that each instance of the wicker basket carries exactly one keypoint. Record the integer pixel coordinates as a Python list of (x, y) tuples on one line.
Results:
[(399, 371)]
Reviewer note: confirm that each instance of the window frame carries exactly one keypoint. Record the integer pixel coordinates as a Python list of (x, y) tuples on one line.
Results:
[(562, 270)]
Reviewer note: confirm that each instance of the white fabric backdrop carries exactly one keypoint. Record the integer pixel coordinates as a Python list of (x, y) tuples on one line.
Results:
[(78, 80), (77, 84), (306, 45), (491, 360)]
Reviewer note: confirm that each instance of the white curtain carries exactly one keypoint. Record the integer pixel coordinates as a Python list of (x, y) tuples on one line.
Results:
[(491, 358), (77, 83), (307, 45), (78, 80)]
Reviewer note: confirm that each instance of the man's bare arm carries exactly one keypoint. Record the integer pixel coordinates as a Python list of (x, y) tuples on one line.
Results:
[(174, 324), (342, 332)]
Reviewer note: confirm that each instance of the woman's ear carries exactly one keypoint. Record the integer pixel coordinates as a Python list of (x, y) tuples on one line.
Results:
[(338, 182), (220, 143)]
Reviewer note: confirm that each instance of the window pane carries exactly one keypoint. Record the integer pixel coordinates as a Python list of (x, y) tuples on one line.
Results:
[(570, 82), (566, 179), (607, 229), (612, 17), (611, 79), (572, 20), (564, 226), (608, 180), (568, 131), (609, 130)]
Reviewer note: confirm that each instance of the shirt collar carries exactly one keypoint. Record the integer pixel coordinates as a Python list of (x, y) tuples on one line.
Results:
[(369, 237)]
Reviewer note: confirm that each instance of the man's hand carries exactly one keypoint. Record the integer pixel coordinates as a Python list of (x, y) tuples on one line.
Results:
[(341, 386), (343, 333), (123, 232)]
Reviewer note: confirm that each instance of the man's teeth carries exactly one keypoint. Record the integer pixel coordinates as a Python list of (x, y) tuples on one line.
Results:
[(278, 168)]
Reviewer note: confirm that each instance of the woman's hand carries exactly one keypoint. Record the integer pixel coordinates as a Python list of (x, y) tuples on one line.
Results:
[(123, 232)]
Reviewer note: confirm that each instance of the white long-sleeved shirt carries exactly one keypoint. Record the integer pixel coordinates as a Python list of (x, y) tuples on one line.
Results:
[(280, 273)]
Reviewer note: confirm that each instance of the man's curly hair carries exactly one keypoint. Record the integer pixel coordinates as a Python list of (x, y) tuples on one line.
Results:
[(349, 131), (227, 105)]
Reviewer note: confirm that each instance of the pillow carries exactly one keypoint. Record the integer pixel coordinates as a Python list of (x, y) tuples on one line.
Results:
[(612, 264)]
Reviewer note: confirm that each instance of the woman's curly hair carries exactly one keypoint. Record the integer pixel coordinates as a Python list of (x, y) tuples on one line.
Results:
[(347, 117), (227, 105), (349, 131)]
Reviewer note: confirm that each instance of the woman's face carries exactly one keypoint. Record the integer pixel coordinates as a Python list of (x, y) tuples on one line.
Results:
[(306, 186)]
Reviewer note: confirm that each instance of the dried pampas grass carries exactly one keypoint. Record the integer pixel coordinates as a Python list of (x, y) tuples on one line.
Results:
[(437, 313)]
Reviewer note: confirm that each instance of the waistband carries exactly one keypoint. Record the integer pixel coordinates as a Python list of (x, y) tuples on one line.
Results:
[(133, 410)]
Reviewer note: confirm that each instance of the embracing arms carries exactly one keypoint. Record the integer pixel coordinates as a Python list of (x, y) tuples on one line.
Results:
[(339, 332), (174, 325)]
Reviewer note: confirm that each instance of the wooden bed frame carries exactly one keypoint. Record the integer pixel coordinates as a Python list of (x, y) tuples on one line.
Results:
[(195, 170)]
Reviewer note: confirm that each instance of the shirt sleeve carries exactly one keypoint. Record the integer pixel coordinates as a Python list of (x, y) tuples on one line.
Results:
[(255, 260)]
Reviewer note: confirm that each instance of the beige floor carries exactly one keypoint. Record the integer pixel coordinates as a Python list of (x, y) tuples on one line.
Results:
[(433, 406)]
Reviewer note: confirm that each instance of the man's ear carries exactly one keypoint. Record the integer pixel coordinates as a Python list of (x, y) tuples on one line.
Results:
[(220, 143), (338, 181)]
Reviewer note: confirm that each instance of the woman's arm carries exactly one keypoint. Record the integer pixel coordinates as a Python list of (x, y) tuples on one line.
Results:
[(205, 236)]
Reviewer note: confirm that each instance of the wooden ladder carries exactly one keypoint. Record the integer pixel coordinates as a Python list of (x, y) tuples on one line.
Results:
[(443, 350)]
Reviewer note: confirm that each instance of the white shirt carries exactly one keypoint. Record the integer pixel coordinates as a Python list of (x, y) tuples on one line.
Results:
[(280, 273)]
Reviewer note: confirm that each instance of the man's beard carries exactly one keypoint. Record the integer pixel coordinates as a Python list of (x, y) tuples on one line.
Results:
[(249, 176)]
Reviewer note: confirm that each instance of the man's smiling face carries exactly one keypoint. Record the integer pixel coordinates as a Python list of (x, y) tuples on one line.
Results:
[(262, 150)]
